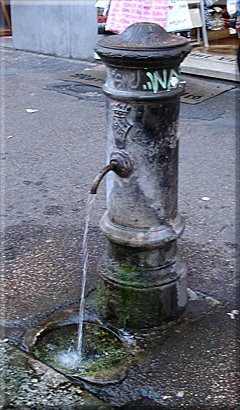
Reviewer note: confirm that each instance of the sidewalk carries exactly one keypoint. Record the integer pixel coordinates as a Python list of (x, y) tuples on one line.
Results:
[(200, 62), (54, 146), (204, 63)]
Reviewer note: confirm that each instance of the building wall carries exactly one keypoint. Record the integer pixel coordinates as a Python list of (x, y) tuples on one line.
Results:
[(61, 28)]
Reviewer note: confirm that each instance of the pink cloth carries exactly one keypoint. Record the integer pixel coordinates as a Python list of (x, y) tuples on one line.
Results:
[(123, 13)]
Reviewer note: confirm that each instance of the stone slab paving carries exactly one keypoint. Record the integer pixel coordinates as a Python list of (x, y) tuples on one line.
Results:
[(29, 384)]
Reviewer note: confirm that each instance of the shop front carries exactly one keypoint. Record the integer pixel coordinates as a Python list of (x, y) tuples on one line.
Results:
[(209, 24)]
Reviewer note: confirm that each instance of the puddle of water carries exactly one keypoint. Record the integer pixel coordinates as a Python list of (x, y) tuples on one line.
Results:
[(101, 349)]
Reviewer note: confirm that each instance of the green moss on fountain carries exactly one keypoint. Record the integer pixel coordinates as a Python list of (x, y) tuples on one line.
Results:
[(102, 350)]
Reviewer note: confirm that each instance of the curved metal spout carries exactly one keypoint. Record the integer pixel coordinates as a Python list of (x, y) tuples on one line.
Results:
[(100, 176)]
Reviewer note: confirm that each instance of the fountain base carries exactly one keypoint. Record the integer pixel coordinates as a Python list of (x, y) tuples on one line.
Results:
[(103, 355), (133, 299)]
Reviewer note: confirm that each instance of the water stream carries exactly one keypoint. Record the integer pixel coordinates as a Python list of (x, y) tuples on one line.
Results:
[(84, 274), (84, 347), (72, 357)]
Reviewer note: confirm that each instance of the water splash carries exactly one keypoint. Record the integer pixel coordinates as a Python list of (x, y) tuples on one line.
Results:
[(84, 275), (68, 359)]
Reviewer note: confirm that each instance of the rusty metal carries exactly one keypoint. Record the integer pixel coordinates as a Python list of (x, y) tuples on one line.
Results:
[(100, 176)]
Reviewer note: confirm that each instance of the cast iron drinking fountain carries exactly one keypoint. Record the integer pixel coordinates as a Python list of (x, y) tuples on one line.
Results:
[(143, 281)]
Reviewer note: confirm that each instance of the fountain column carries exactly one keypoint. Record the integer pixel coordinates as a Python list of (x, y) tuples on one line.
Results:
[(142, 277)]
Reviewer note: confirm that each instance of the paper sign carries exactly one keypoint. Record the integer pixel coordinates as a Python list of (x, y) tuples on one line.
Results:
[(232, 6), (178, 17), (123, 13), (102, 3)]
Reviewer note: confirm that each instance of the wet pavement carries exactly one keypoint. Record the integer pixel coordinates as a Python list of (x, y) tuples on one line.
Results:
[(49, 160), (31, 384)]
